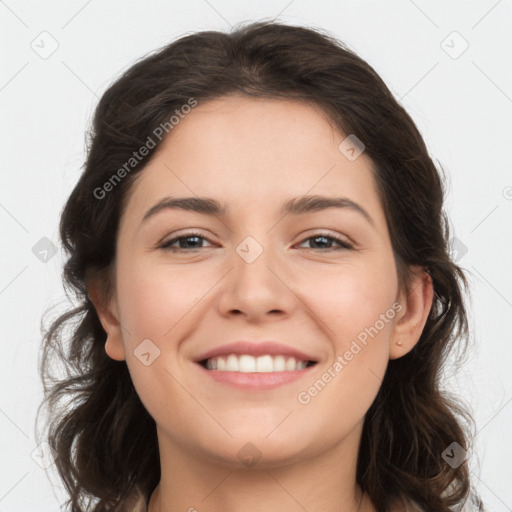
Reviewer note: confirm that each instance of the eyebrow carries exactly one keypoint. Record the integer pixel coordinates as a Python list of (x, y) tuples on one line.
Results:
[(295, 206)]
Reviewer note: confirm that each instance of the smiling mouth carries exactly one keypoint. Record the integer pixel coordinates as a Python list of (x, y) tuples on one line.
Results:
[(245, 363)]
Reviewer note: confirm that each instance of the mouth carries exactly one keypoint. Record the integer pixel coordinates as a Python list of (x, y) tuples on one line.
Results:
[(245, 363), (255, 365)]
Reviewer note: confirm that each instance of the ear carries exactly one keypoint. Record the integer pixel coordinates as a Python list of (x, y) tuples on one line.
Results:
[(107, 312), (416, 305)]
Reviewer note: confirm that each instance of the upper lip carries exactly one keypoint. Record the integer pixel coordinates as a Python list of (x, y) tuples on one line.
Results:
[(255, 349)]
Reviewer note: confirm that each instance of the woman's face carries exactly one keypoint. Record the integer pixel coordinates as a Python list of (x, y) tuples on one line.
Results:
[(254, 273)]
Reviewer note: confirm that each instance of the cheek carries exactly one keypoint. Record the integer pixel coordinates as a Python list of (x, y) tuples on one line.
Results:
[(353, 374), (154, 301), (352, 297), (154, 298), (355, 306)]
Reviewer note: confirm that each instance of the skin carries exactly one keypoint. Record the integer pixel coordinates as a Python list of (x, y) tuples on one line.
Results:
[(253, 155)]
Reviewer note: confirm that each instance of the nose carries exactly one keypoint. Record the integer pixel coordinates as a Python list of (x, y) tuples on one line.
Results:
[(259, 289)]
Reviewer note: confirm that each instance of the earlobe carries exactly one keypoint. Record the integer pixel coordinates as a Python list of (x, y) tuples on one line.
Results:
[(108, 316), (416, 308), (115, 348)]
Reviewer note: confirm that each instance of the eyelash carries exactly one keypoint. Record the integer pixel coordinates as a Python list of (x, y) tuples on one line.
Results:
[(167, 245)]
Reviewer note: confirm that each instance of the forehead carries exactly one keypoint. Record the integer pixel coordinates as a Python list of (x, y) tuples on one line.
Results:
[(251, 152), (268, 124)]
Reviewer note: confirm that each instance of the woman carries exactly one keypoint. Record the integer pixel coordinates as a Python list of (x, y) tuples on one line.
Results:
[(266, 296)]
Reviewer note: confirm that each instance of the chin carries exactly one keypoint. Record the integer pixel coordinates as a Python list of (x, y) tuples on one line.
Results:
[(255, 450)]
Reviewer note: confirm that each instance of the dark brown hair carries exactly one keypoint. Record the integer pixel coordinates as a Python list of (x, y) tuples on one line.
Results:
[(104, 439)]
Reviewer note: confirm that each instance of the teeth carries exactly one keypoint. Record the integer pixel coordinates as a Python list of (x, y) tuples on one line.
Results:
[(249, 364)]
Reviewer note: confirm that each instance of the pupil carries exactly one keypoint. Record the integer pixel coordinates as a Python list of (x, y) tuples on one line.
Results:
[(320, 238), (186, 240)]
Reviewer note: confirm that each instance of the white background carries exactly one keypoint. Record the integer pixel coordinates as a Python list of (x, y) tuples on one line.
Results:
[(463, 106)]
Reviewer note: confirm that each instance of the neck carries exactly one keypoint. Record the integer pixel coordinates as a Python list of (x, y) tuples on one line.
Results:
[(195, 483)]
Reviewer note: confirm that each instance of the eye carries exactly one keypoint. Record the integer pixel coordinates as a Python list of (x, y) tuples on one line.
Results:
[(187, 241), (193, 241), (323, 239)]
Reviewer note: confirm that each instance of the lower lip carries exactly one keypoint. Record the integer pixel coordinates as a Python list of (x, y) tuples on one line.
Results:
[(256, 381)]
